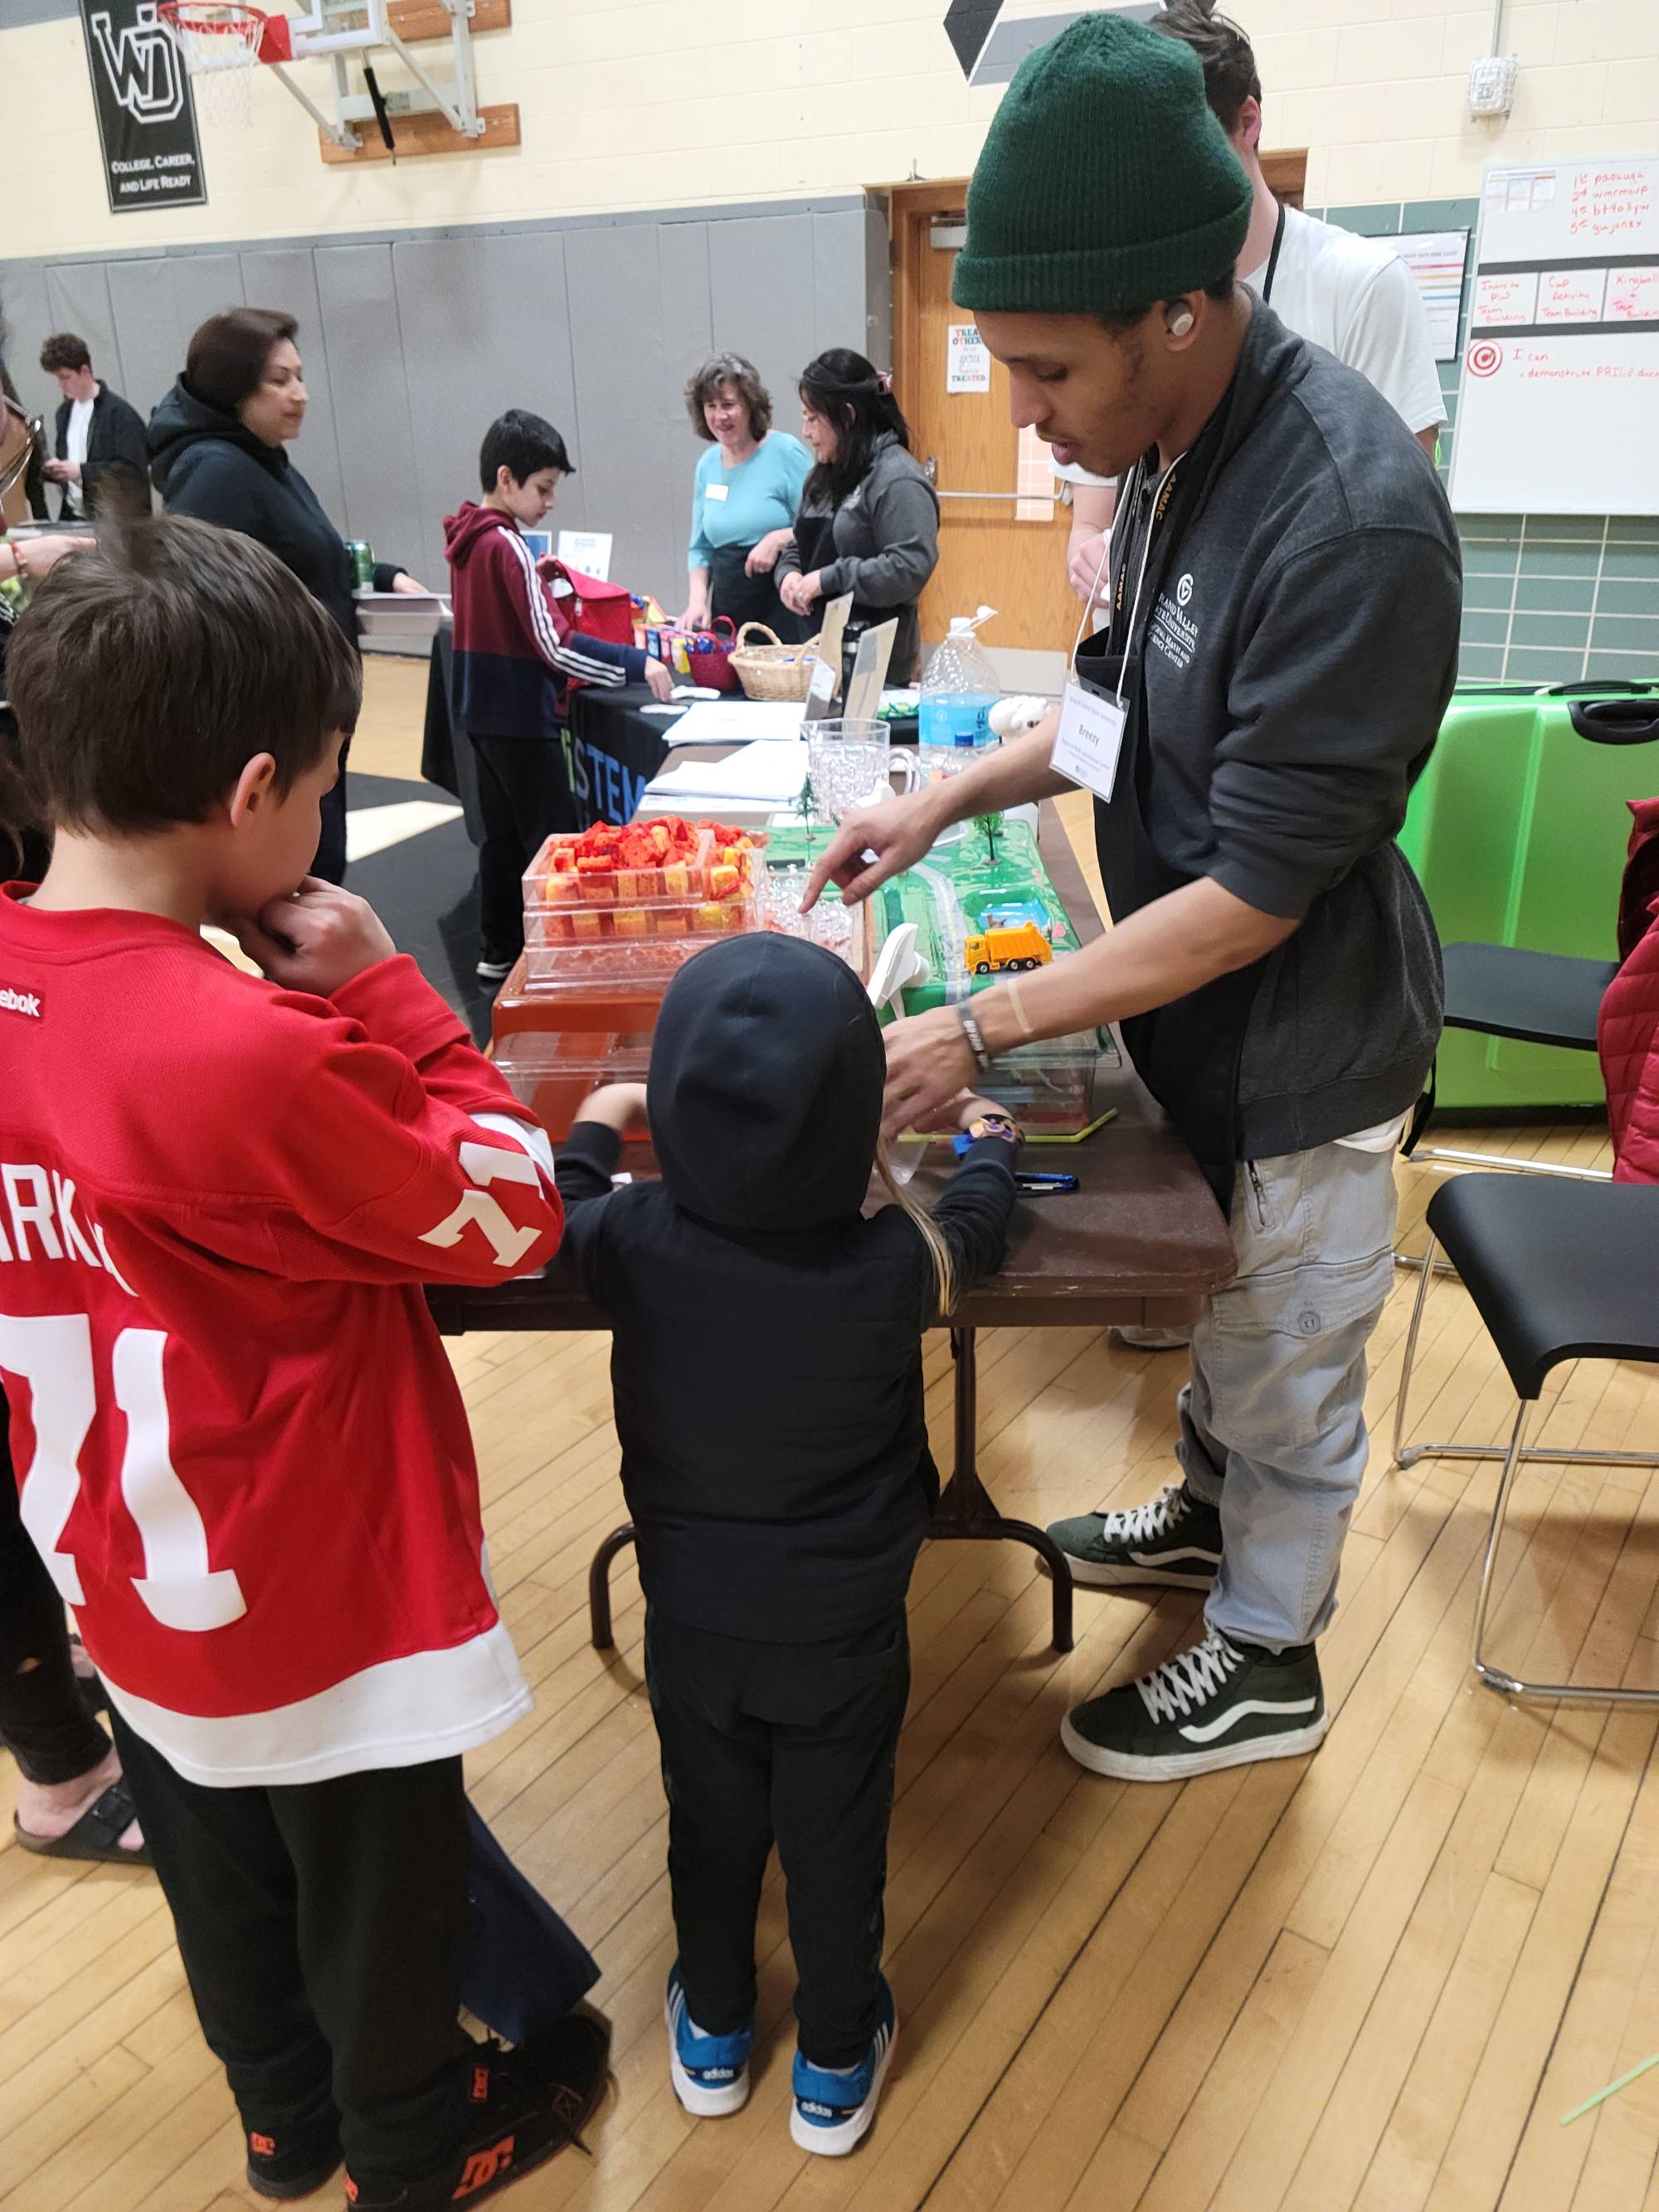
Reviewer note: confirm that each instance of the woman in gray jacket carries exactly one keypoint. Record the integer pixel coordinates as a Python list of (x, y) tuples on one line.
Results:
[(869, 519)]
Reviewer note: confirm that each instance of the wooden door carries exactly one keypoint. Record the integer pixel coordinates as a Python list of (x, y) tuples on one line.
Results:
[(995, 548)]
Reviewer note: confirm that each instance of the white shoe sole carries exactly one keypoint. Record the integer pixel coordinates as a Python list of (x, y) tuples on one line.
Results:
[(1107, 1574), (1181, 1766), (702, 2103), (835, 2143)]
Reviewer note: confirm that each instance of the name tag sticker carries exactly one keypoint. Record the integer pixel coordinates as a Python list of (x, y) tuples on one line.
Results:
[(717, 491), (1089, 740)]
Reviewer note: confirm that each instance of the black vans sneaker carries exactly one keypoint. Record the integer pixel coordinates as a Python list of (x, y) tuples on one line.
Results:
[(525, 2105), (288, 2166), (1175, 1539), (1218, 1705)]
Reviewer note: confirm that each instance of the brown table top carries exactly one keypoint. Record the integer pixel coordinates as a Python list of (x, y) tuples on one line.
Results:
[(1141, 1241)]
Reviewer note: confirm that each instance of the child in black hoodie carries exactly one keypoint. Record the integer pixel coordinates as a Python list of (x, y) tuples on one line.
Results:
[(767, 1371)]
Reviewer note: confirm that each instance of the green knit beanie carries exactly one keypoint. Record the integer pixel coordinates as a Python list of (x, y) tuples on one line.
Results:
[(1105, 183)]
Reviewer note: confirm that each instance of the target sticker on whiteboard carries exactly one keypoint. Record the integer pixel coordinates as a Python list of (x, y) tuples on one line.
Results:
[(1486, 359)]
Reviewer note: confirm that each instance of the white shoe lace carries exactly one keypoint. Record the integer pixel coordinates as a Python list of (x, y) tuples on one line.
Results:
[(1139, 1524), (1190, 1680)]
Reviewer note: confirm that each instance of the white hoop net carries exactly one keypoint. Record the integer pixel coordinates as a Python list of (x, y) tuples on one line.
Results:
[(220, 42)]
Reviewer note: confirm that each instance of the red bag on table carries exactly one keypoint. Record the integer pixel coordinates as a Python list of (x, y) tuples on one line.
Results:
[(594, 607)]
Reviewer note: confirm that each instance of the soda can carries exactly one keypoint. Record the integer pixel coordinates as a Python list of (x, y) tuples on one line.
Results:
[(363, 562)]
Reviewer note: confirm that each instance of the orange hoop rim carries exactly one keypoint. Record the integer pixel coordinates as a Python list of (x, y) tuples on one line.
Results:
[(261, 36)]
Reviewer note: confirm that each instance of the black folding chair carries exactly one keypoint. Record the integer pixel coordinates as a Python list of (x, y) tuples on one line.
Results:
[(1541, 998), (1558, 1270)]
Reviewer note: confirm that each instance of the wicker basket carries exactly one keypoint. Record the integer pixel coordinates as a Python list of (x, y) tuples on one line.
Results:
[(774, 671)]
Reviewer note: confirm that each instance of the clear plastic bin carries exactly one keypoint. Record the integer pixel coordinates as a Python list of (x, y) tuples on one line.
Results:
[(552, 1071), (1049, 1086)]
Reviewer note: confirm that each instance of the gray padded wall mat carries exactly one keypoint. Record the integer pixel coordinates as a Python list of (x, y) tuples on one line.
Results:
[(411, 346), (484, 328), (364, 340)]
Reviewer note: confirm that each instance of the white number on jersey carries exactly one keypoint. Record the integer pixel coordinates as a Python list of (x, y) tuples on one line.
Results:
[(53, 1355)]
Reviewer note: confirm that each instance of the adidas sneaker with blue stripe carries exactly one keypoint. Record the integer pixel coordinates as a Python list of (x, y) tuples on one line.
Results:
[(834, 2110), (710, 2072)]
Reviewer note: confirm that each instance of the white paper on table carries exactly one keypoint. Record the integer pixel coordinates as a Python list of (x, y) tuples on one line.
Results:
[(759, 773), (740, 722)]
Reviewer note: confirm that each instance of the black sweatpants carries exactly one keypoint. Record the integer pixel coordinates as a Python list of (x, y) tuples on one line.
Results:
[(793, 1743), (323, 1926), (43, 1723), (524, 795)]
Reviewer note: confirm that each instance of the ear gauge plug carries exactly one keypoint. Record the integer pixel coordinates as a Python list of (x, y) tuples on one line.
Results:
[(1180, 323)]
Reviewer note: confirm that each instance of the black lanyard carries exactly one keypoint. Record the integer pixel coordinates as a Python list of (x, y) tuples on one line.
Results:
[(1273, 259)]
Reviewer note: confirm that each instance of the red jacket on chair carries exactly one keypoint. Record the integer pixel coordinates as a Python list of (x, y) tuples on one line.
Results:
[(1627, 1031)]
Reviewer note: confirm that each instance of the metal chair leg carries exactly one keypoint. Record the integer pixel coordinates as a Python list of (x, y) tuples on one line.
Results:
[(1401, 1457), (1436, 1153), (1495, 1677)]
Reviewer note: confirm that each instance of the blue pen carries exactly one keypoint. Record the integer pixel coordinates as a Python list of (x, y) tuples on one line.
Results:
[(1044, 1186)]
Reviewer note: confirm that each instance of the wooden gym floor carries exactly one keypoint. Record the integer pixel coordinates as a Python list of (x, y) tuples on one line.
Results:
[(1375, 1979)]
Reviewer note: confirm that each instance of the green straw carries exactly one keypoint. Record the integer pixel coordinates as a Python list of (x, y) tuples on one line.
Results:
[(1612, 2090)]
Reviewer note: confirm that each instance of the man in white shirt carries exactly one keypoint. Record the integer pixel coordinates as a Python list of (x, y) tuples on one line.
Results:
[(1353, 295), (99, 443)]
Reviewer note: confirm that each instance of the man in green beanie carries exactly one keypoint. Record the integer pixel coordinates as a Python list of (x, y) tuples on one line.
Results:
[(1282, 644)]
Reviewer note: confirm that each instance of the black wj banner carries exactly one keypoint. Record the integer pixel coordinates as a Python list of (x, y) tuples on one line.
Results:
[(146, 117)]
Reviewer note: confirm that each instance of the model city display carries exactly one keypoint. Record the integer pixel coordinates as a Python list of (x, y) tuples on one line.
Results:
[(612, 914)]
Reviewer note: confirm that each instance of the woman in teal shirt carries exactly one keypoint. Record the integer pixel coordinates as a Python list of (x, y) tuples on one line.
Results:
[(743, 500)]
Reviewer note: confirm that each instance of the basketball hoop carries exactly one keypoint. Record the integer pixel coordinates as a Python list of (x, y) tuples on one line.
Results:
[(221, 41)]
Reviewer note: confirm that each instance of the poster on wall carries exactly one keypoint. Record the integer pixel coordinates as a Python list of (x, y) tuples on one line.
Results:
[(1437, 259), (1558, 411), (146, 115)]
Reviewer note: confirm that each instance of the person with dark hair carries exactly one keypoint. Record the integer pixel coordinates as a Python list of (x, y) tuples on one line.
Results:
[(216, 452), (744, 498), (1285, 598), (516, 652), (240, 1448), (98, 438), (868, 522), (18, 504), (1353, 295)]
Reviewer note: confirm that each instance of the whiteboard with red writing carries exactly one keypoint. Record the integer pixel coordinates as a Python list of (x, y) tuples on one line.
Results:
[(1559, 409)]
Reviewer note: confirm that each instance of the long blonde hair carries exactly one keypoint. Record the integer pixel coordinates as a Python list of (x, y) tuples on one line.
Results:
[(945, 1270)]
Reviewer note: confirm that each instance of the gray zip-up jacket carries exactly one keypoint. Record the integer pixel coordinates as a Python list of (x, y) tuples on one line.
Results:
[(886, 541), (1296, 655)]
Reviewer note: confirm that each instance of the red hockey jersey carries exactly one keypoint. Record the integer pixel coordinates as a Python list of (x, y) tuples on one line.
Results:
[(239, 1444)]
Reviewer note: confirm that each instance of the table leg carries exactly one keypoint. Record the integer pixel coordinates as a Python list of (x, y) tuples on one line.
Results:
[(598, 1585), (966, 1511)]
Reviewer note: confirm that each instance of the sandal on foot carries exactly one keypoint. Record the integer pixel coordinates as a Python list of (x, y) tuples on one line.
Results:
[(96, 1835)]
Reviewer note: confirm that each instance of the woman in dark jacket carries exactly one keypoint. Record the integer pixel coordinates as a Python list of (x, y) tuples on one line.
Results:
[(869, 519), (216, 450)]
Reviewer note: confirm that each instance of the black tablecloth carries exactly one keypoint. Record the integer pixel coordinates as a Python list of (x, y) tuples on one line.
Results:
[(612, 748)]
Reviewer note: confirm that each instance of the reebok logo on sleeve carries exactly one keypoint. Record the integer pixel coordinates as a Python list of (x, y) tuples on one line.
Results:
[(20, 1002)]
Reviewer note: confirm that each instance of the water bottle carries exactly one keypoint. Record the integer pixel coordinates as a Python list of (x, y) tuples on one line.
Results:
[(959, 688)]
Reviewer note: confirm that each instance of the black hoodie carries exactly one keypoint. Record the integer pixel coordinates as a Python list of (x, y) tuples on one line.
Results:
[(204, 462), (767, 1337)]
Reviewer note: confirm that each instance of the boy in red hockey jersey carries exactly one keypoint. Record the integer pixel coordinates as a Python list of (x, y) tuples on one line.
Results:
[(239, 1446)]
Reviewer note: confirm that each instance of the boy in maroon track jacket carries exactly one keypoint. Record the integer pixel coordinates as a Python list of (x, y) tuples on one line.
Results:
[(515, 656)]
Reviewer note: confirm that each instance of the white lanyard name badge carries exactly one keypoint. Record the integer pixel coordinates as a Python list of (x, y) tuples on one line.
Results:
[(717, 491), (1090, 738)]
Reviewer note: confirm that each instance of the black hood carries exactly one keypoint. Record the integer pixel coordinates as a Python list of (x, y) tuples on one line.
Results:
[(766, 1069), (182, 421)]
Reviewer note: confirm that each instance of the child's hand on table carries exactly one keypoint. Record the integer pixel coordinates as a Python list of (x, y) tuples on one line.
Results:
[(618, 1106), (958, 1114), (661, 678), (315, 940)]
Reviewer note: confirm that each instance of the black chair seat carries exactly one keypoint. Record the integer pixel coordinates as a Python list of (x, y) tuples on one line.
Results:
[(1543, 998), (1558, 1270)]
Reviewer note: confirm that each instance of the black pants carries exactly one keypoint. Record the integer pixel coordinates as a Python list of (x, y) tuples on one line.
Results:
[(524, 795), (330, 861), (323, 1926), (43, 1723), (794, 1743)]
